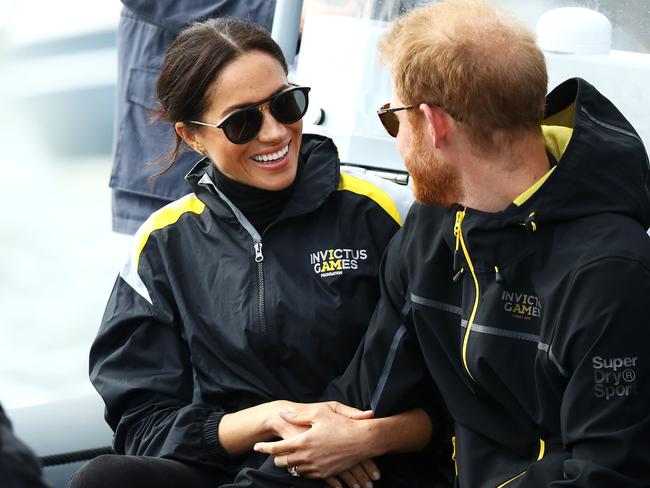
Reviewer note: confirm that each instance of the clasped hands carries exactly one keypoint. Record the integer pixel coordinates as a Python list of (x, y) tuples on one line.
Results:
[(325, 440)]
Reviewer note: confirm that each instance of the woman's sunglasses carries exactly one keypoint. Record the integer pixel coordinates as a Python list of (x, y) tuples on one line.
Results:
[(388, 118), (243, 125)]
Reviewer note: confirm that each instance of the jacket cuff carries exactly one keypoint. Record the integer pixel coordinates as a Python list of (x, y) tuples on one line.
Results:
[(211, 436)]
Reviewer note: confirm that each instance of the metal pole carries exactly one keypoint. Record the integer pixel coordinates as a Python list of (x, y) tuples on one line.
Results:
[(286, 26)]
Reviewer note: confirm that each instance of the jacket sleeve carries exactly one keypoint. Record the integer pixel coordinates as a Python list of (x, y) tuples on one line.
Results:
[(602, 338), (175, 16), (19, 468), (388, 373), (140, 364)]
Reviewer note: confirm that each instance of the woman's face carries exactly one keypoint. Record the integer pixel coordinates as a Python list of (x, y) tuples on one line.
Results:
[(250, 78)]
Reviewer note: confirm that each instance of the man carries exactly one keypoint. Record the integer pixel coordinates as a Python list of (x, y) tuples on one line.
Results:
[(519, 283)]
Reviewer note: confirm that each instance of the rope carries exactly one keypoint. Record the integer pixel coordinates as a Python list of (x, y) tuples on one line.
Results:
[(75, 456)]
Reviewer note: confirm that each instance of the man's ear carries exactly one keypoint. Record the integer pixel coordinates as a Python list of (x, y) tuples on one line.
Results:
[(189, 136), (437, 124)]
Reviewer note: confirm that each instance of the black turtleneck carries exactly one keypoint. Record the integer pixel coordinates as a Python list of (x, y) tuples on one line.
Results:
[(260, 207)]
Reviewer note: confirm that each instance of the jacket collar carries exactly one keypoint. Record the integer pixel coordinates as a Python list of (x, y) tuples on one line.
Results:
[(317, 178), (602, 170)]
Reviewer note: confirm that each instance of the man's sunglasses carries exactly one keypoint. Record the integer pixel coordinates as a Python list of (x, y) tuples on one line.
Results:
[(243, 125), (388, 118), (390, 121)]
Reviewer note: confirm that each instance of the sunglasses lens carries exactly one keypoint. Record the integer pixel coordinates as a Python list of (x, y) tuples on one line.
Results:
[(242, 126), (290, 106), (390, 122)]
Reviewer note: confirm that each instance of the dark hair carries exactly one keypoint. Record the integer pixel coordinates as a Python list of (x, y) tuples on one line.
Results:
[(194, 61)]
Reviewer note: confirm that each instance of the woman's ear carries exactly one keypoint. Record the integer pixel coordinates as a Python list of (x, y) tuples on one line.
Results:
[(189, 137)]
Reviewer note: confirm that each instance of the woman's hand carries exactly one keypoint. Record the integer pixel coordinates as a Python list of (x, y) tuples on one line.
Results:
[(238, 431), (338, 442), (286, 418), (358, 476), (279, 427)]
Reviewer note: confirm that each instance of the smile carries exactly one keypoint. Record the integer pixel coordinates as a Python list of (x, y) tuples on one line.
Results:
[(268, 158)]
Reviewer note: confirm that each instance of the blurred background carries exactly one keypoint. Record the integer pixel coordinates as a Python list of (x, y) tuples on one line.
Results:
[(58, 256)]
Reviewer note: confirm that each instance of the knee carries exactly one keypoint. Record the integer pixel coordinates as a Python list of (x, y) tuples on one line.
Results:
[(102, 472)]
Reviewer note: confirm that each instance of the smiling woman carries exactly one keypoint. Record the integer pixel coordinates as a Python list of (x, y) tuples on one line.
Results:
[(220, 321), (267, 132), (242, 148)]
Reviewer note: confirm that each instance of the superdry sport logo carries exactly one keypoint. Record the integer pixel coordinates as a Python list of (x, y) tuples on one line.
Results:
[(521, 305), (332, 262), (614, 377)]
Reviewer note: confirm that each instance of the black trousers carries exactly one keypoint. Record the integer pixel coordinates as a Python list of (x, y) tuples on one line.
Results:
[(114, 471), (111, 471)]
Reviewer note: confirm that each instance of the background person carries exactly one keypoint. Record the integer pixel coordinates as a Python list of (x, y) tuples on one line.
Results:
[(145, 31), (521, 277), (249, 294)]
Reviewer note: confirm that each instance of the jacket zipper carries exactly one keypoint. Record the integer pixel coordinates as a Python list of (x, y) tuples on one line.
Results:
[(206, 182), (460, 242), (259, 259), (540, 455)]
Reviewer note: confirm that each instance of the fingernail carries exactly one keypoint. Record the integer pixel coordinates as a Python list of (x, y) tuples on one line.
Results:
[(369, 484), (356, 486), (256, 447), (375, 475)]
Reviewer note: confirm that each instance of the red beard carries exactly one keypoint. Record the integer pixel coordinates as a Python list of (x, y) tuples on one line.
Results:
[(434, 180)]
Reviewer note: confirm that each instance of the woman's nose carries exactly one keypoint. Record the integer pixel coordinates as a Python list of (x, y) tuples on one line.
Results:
[(271, 129)]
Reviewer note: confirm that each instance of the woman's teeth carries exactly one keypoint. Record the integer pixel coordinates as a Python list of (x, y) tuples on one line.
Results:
[(265, 158)]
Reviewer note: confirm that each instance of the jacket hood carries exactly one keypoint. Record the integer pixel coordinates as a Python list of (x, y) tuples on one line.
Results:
[(604, 166), (317, 177)]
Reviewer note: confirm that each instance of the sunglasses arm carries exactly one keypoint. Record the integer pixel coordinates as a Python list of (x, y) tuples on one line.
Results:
[(216, 126)]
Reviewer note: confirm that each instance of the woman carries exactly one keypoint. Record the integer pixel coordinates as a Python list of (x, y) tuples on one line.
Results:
[(248, 295)]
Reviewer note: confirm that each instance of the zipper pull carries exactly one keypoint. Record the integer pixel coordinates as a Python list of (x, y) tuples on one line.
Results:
[(458, 275), (498, 276), (529, 224), (456, 259), (259, 257), (460, 215)]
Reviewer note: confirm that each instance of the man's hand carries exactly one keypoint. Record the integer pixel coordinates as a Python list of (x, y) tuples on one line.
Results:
[(338, 442)]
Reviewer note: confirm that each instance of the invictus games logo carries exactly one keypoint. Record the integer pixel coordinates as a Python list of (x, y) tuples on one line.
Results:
[(521, 305), (614, 377), (332, 262)]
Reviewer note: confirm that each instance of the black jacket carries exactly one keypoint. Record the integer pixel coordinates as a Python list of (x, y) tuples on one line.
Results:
[(539, 347), (209, 317)]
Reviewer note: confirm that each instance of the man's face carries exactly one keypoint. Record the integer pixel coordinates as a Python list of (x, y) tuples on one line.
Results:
[(404, 136), (435, 181)]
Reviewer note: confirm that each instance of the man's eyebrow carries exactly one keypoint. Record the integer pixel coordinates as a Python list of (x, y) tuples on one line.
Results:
[(232, 108)]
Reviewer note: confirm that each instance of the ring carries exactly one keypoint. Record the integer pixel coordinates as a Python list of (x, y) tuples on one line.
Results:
[(293, 471)]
